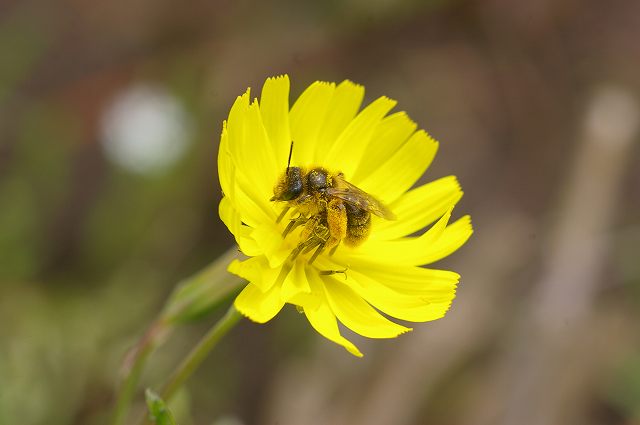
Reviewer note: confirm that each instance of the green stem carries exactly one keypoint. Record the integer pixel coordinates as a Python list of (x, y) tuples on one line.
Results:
[(200, 352), (129, 386), (191, 299), (133, 371)]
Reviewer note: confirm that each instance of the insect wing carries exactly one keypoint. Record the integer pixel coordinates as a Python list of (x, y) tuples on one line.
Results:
[(359, 198)]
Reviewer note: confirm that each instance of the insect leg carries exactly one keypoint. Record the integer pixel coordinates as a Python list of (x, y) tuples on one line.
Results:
[(302, 246), (300, 220), (282, 214), (294, 254), (318, 251), (330, 272)]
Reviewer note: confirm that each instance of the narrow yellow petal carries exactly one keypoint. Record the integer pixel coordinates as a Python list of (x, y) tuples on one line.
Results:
[(402, 169), (404, 251), (436, 243), (392, 132), (257, 305), (255, 270), (317, 296), (238, 201), (321, 316), (231, 218), (268, 238), (234, 202), (236, 127), (344, 105), (306, 118), (249, 200), (225, 163), (252, 212), (348, 150), (408, 293), (398, 305), (324, 322), (295, 283), (430, 284), (454, 236), (416, 281), (356, 314), (418, 208), (258, 161), (274, 106)]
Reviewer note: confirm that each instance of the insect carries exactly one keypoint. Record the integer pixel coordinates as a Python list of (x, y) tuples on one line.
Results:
[(331, 209)]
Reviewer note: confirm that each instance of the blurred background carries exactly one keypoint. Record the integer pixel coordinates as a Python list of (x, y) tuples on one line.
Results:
[(110, 115)]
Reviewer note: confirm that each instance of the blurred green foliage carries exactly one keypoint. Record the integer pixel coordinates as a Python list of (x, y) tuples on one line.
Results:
[(24, 33), (33, 188), (624, 389), (158, 411)]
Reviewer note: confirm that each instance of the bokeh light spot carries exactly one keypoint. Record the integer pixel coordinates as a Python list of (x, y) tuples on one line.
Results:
[(145, 129)]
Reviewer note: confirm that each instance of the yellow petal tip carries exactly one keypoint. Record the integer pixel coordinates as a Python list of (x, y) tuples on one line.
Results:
[(350, 347)]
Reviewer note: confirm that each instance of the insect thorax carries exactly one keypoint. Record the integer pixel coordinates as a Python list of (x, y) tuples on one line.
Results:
[(318, 179)]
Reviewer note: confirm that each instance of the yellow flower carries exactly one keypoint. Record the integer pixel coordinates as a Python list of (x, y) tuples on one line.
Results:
[(381, 154)]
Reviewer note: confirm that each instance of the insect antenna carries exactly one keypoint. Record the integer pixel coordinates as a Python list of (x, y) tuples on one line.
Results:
[(289, 160)]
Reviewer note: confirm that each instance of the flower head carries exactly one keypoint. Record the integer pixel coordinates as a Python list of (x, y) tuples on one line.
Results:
[(298, 242)]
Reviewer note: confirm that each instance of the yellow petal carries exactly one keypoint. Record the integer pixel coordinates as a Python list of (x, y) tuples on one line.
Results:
[(268, 238), (407, 293), (344, 105), (454, 236), (247, 199), (402, 252), (392, 132), (421, 282), (306, 118), (231, 218), (258, 163), (439, 241), (356, 314), (255, 270), (252, 212), (257, 305), (274, 106), (225, 162), (238, 202), (324, 322), (236, 127), (402, 169), (418, 208), (321, 316), (431, 303), (308, 300), (430, 284), (348, 150), (295, 283)]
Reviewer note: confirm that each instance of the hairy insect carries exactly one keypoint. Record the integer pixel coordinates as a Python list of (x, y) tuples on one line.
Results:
[(331, 209)]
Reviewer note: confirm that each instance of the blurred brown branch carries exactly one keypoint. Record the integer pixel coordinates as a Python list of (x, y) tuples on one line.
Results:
[(535, 382)]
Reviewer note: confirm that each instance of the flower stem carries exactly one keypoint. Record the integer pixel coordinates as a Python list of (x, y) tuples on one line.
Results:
[(129, 386), (133, 367), (200, 352), (192, 298)]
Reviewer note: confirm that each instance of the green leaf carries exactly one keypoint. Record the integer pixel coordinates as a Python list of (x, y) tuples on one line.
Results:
[(159, 413)]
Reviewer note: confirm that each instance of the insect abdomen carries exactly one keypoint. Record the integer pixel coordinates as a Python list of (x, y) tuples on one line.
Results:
[(358, 225)]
